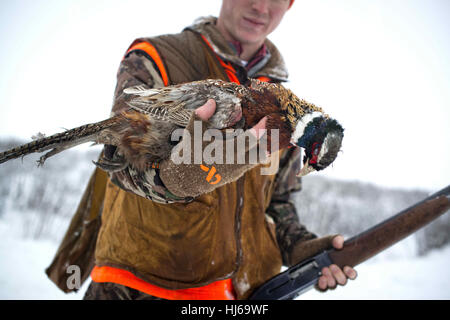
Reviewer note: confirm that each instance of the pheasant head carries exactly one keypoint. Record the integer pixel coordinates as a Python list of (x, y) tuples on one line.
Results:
[(321, 137), (310, 128)]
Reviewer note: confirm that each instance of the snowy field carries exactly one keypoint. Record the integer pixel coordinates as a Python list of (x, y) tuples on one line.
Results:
[(36, 206), (388, 276), (22, 268)]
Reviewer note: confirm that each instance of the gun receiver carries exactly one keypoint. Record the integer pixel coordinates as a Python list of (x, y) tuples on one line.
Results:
[(301, 277)]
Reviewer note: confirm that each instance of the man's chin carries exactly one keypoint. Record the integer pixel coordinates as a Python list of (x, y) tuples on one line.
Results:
[(251, 37)]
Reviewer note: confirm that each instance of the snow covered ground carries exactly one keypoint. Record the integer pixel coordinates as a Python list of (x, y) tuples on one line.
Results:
[(388, 276), (22, 271), (36, 206)]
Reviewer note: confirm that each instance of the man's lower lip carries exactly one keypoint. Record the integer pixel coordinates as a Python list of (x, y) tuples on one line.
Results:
[(253, 22)]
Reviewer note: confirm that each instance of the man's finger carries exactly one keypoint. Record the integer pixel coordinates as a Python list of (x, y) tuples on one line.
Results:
[(350, 272), (338, 242), (259, 129), (338, 274), (207, 110), (323, 283), (331, 282)]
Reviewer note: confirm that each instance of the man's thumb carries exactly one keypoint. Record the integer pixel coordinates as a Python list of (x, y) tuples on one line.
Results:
[(207, 110)]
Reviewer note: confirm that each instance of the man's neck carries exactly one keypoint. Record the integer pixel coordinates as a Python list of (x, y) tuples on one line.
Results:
[(248, 49)]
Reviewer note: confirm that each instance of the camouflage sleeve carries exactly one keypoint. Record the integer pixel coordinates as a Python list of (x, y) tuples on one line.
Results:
[(137, 69), (282, 210)]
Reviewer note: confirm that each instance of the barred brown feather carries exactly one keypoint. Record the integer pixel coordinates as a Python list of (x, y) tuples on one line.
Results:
[(59, 141)]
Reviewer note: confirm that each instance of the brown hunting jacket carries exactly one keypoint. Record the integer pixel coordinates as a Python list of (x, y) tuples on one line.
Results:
[(244, 230)]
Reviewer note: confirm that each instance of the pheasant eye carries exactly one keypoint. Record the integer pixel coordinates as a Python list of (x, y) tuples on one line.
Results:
[(315, 150)]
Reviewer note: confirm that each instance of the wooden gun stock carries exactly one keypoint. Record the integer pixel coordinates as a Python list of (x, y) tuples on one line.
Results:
[(302, 276), (369, 243)]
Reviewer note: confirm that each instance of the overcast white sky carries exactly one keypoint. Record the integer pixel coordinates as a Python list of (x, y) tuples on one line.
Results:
[(381, 67)]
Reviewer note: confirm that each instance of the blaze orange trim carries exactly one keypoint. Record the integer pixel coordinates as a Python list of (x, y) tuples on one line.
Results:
[(148, 48), (229, 70), (264, 79), (218, 290)]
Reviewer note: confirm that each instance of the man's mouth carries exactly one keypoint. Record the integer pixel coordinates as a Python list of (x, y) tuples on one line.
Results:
[(254, 22)]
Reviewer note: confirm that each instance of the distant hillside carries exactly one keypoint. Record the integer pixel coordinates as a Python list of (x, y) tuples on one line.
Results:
[(329, 206), (39, 202)]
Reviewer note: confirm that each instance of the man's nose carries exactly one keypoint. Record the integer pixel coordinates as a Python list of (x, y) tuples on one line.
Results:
[(261, 6)]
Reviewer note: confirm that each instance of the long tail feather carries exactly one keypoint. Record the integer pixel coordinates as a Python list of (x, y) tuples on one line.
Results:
[(60, 141)]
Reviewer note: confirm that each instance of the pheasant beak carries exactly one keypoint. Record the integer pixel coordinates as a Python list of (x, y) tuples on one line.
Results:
[(306, 169)]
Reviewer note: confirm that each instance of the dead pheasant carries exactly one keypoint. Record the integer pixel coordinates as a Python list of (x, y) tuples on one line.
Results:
[(142, 133)]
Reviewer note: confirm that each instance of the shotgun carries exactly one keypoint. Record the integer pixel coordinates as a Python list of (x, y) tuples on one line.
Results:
[(302, 276)]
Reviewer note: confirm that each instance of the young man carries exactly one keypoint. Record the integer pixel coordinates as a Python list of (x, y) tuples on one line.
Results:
[(225, 243)]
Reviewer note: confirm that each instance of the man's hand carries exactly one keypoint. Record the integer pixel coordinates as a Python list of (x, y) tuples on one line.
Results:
[(191, 178), (207, 110), (333, 275)]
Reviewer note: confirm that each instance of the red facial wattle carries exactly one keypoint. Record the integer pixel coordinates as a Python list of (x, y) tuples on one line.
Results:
[(315, 150)]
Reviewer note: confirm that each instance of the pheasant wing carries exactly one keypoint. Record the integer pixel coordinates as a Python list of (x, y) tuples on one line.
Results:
[(172, 104), (176, 103)]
